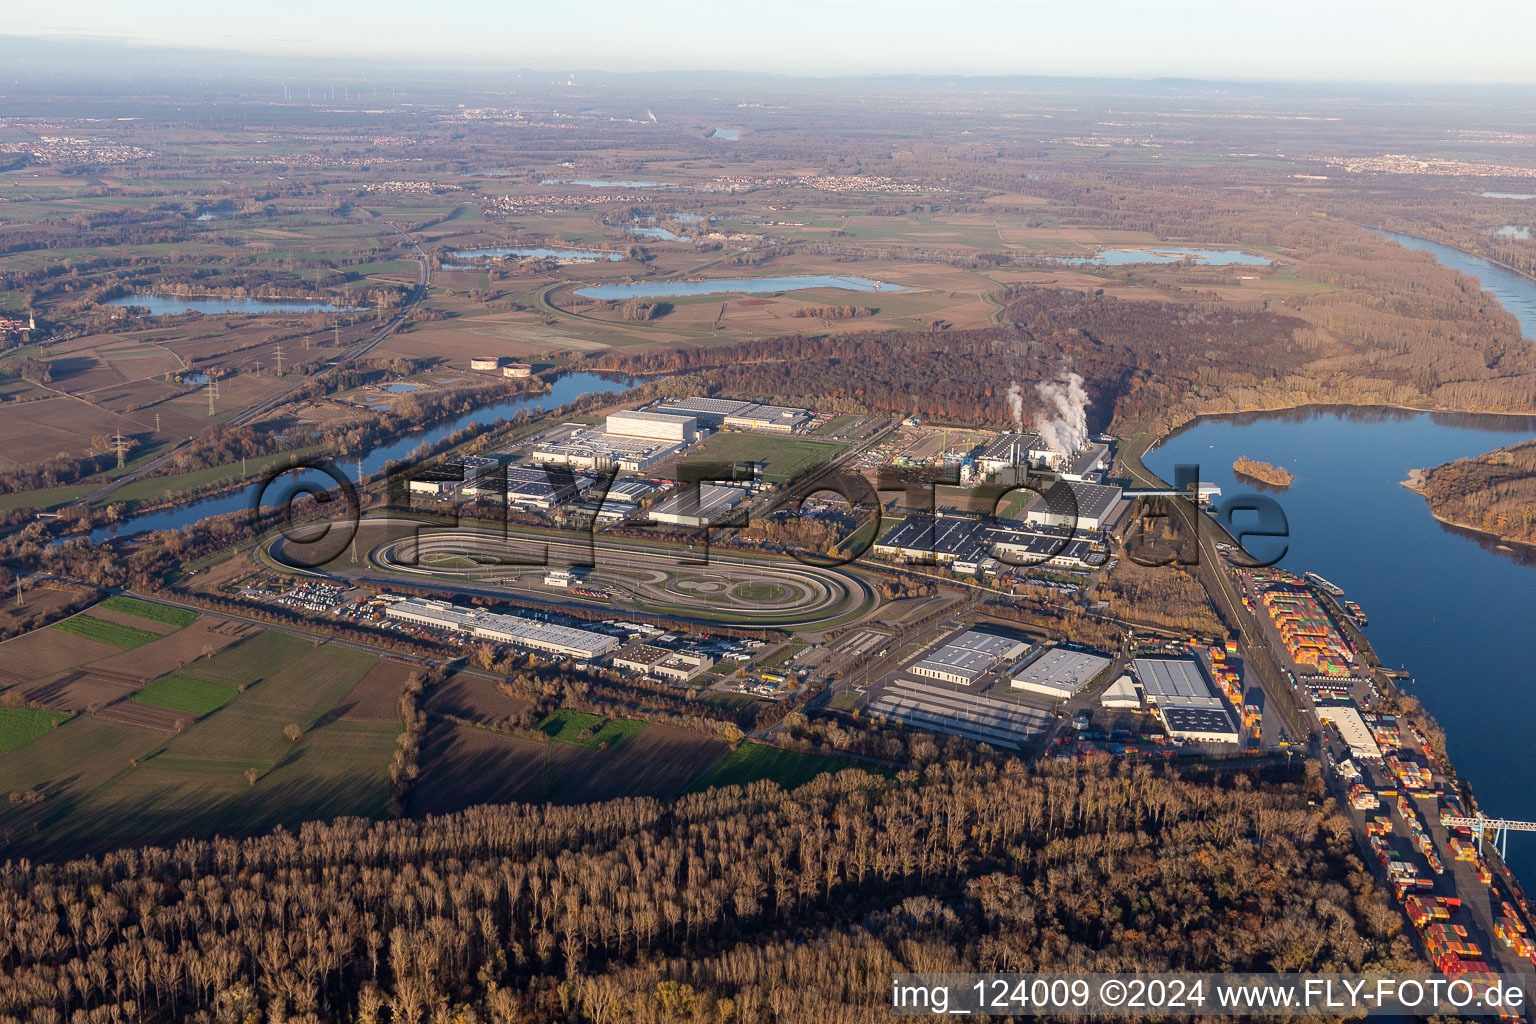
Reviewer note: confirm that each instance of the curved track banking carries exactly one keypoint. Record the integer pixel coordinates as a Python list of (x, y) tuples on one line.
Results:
[(728, 590)]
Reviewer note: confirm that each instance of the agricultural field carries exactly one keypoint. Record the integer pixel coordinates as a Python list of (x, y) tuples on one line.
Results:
[(183, 693), (150, 610), (234, 769), (22, 725), (603, 734), (103, 631), (464, 766), (751, 762)]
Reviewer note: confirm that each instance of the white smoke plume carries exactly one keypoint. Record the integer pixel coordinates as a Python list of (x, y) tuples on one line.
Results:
[(1016, 405), (1064, 423)]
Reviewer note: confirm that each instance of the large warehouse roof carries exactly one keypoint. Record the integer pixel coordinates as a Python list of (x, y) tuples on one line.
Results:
[(1059, 671), (1072, 497), (1346, 718), (966, 656), (1173, 681)]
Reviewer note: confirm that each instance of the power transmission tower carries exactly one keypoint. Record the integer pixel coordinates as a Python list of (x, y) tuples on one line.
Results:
[(213, 394), (120, 444), (306, 343), (157, 423), (279, 360), (337, 324), (257, 364)]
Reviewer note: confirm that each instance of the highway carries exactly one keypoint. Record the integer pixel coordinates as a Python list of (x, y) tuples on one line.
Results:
[(418, 295)]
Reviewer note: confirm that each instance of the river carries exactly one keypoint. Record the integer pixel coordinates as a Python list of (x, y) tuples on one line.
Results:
[(565, 389), (1451, 607)]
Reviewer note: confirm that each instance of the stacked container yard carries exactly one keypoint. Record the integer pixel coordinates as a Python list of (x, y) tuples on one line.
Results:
[(1308, 633)]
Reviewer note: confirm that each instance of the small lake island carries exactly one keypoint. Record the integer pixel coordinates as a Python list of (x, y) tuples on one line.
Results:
[(1274, 476)]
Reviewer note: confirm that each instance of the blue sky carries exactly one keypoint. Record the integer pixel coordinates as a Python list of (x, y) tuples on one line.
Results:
[(1336, 40)]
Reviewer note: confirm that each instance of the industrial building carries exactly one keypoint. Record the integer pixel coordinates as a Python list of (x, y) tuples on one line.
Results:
[(510, 629), (538, 487), (1090, 458), (598, 450), (654, 425), (1006, 451), (1122, 695), (1357, 735), (735, 414), (517, 370), (676, 666), (1057, 672), (974, 716), (709, 412), (484, 363), (1076, 504), (965, 658), (775, 419), (697, 506), (967, 544), (1185, 700)]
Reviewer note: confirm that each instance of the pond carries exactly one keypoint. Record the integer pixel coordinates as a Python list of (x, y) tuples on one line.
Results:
[(603, 183), (1170, 254), (742, 285), (536, 252), (173, 305)]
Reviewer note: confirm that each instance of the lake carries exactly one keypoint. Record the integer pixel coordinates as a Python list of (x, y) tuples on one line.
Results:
[(1514, 231), (1508, 195), (1170, 254), (602, 183), (728, 134), (173, 305), (741, 285), (536, 252), (1445, 605), (565, 388)]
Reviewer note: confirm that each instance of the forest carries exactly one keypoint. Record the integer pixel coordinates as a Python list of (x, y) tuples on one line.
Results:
[(733, 905), (1494, 493)]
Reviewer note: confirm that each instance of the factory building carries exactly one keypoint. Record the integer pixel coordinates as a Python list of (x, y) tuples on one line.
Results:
[(1121, 695), (1185, 700), (598, 450), (1357, 735), (972, 715), (965, 658), (535, 487), (709, 412), (735, 414), (675, 666), (968, 544), (773, 419), (1076, 504), (531, 634), (697, 506), (1007, 451), (654, 425), (1088, 459), (1057, 672)]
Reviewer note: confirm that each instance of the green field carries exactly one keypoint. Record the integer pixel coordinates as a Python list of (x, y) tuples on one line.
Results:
[(196, 782), (104, 631), (753, 761), (23, 725), (782, 457), (177, 617), (567, 726), (183, 693)]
